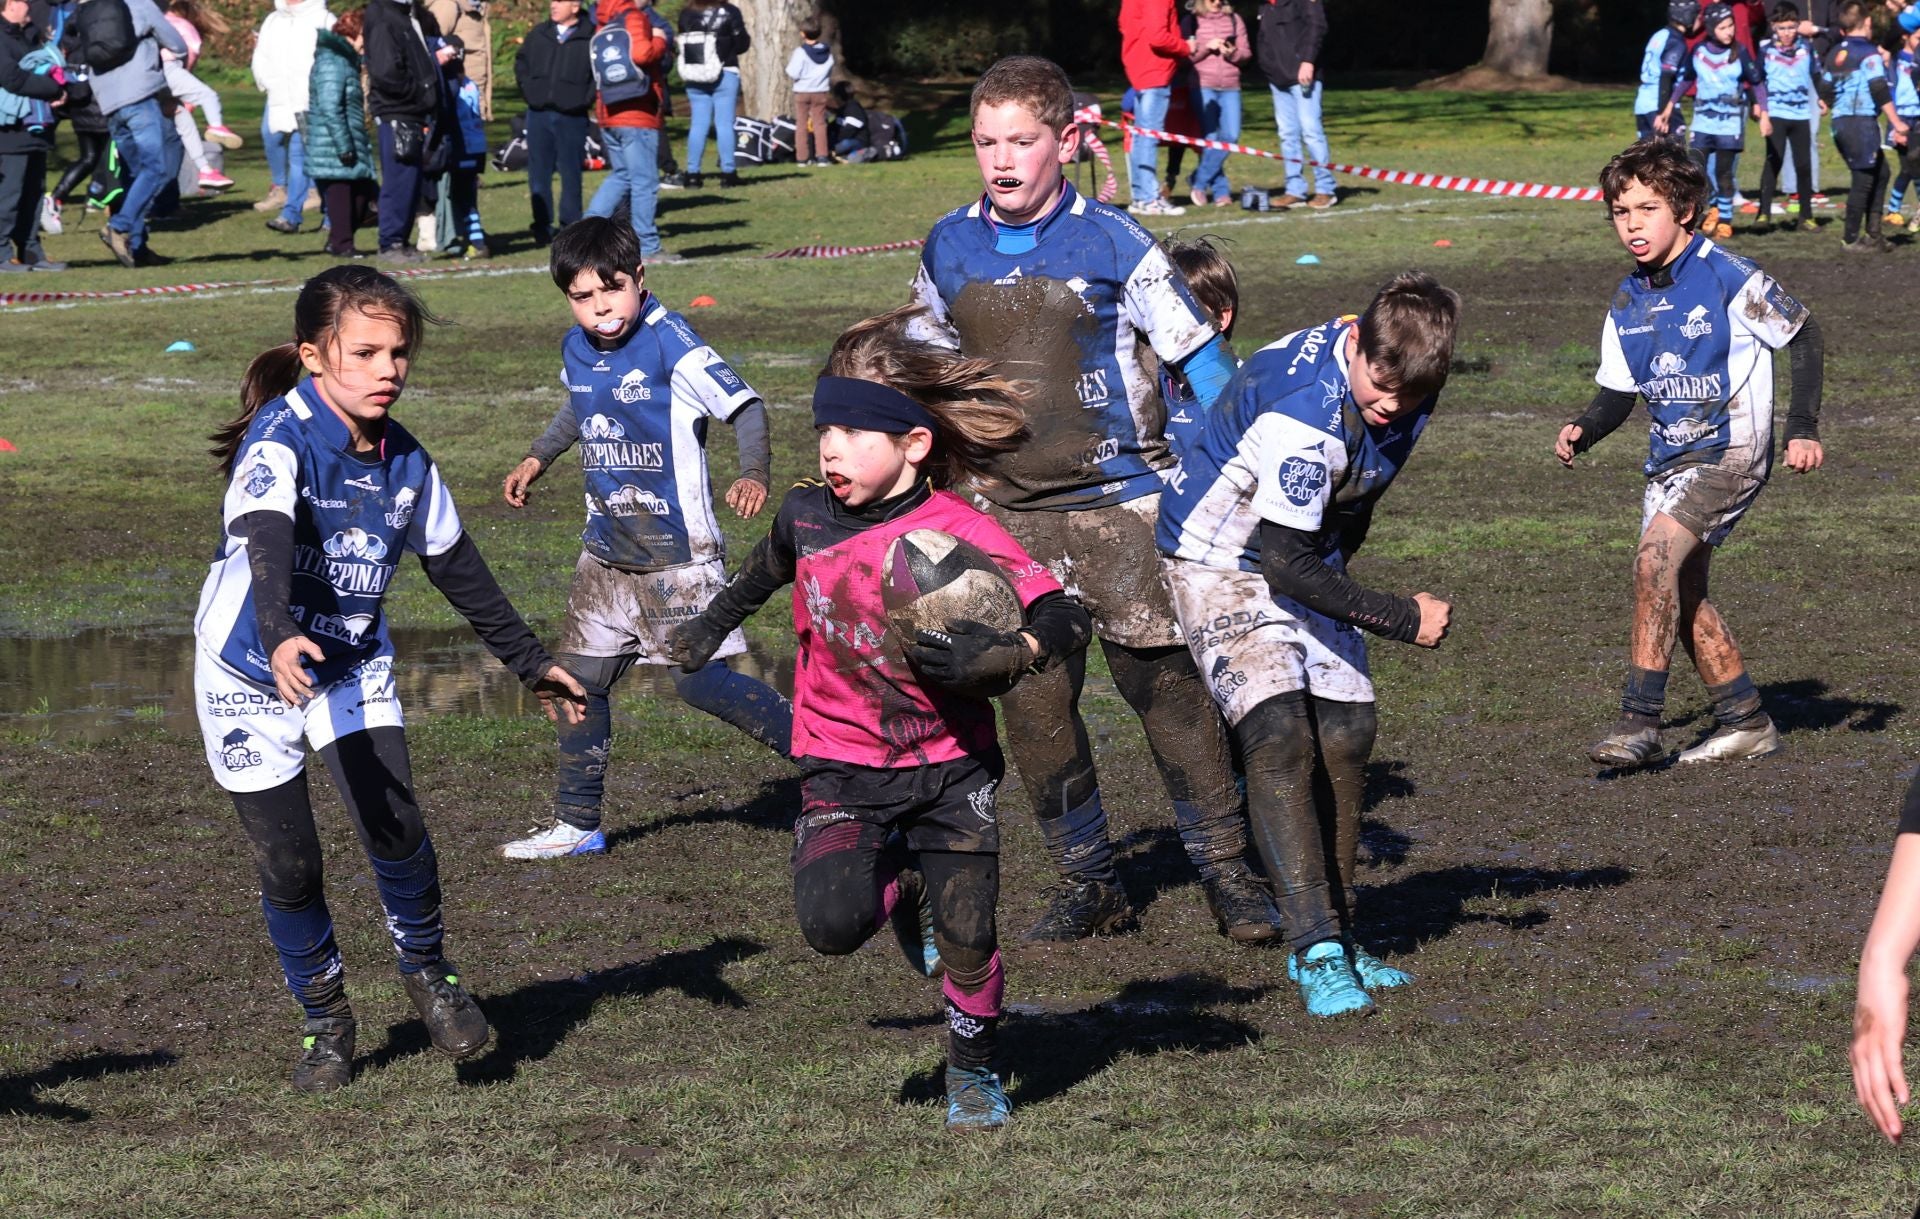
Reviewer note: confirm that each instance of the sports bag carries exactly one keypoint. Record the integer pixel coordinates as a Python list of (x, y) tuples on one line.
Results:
[(511, 157), (699, 61), (103, 34), (759, 142), (615, 74)]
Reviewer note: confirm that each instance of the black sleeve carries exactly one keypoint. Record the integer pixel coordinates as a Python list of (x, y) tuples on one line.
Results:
[(767, 570), (1910, 810), (270, 559), (1807, 360), (1608, 410), (561, 432), (1293, 568), (1882, 92), (464, 580), (1351, 528), (1060, 624), (742, 41), (1315, 35), (755, 446)]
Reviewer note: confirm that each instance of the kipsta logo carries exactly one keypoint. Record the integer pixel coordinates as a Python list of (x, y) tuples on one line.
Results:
[(235, 754), (599, 427), (1667, 364), (355, 543), (1301, 480), (259, 480)]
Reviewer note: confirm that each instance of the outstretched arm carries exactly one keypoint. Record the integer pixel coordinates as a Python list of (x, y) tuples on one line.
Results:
[(1880, 1010), (1807, 360), (464, 579), (1293, 567)]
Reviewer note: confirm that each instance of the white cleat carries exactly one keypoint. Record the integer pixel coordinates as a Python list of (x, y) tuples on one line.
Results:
[(556, 841), (1735, 745)]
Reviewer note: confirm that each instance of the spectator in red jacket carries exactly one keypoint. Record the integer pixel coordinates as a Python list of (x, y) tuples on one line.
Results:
[(1151, 50), (630, 130)]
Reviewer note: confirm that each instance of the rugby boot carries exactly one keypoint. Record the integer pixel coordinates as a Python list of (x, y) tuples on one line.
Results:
[(1078, 909), (1712, 218), (1627, 746), (1736, 744), (1242, 906), (912, 920), (975, 1100), (1328, 985), (326, 1059), (455, 1024), (555, 840), (1374, 974)]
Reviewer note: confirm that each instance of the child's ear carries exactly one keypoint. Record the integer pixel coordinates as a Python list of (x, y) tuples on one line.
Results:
[(1069, 143)]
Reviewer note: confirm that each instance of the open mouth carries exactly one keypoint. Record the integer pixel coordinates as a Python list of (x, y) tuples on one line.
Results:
[(1006, 183), (611, 326), (839, 482)]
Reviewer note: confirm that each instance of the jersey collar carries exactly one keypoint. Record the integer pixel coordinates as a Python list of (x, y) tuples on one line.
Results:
[(1069, 202), (324, 420)]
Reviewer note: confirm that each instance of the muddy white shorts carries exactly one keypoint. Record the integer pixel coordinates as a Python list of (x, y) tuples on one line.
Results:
[(611, 612), (255, 740), (1104, 557), (1252, 646), (1708, 500)]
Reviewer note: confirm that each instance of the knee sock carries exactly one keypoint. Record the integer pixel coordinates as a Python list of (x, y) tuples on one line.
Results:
[(973, 1013), (752, 706), (584, 749), (1077, 842), (410, 893), (1215, 843), (309, 958), (1898, 198), (1736, 704), (1644, 699)]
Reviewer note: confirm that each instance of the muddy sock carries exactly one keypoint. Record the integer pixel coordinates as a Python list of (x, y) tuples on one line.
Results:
[(1644, 699), (752, 706), (1215, 843), (1077, 842), (309, 958), (410, 893), (973, 1014), (1737, 704), (585, 746)]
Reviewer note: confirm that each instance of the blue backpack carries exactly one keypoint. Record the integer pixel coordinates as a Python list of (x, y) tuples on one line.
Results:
[(615, 74)]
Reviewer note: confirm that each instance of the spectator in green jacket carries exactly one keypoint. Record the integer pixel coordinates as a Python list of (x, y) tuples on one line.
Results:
[(340, 156)]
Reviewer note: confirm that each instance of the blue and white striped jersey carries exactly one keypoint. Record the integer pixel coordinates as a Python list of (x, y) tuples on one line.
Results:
[(1724, 81), (1789, 72)]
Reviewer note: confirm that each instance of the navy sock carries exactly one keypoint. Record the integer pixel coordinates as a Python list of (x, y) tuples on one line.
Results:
[(1736, 704), (410, 892), (1077, 842), (747, 703), (309, 958), (584, 749), (1645, 697), (1212, 841)]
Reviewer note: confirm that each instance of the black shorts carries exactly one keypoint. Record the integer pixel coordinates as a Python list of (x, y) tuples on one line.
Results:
[(947, 806)]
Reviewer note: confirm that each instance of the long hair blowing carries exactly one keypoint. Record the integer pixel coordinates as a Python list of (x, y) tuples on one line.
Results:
[(978, 412)]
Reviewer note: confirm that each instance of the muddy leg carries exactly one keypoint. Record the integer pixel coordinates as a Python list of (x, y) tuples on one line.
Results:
[(1047, 740), (1277, 739), (965, 887), (1345, 732), (286, 854), (1709, 641)]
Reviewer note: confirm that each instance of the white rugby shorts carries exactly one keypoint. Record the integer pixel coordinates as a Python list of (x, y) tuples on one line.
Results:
[(254, 739), (611, 612)]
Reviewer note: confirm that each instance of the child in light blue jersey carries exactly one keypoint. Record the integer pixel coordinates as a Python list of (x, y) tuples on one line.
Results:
[(1854, 83), (642, 389), (1788, 62), (1906, 105), (1660, 63), (1723, 80)]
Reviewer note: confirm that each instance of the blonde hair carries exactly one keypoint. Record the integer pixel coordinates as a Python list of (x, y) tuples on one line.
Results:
[(978, 413)]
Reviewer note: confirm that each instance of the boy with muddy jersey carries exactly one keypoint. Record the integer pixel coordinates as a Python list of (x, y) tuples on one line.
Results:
[(642, 389), (1257, 527), (1692, 330), (1076, 299)]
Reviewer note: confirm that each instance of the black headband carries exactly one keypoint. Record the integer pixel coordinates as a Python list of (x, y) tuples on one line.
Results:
[(867, 405)]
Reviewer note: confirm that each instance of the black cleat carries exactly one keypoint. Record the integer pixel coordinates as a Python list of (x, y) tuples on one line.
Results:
[(1078, 909), (326, 1063), (1242, 906), (454, 1021)]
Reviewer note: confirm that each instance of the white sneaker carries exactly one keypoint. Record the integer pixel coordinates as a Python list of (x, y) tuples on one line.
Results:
[(1736, 745), (50, 215), (556, 840), (429, 240), (1156, 206)]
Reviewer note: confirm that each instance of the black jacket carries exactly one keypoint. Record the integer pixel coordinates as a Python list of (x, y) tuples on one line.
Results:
[(1291, 33), (728, 27), (556, 75), (403, 79), (16, 41)]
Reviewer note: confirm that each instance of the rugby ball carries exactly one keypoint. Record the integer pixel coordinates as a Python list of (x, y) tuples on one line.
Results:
[(931, 578)]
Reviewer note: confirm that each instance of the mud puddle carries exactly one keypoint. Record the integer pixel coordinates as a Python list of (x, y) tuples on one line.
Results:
[(100, 684)]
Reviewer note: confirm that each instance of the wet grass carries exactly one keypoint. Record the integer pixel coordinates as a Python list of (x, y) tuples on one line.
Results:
[(1633, 990)]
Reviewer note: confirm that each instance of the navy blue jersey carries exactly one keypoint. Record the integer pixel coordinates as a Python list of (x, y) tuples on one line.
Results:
[(1664, 52), (1285, 443), (642, 411), (1789, 72), (1853, 68), (353, 514), (1700, 351), (1081, 316)]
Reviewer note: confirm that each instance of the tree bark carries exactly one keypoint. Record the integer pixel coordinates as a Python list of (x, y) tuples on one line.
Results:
[(765, 89), (1519, 35)]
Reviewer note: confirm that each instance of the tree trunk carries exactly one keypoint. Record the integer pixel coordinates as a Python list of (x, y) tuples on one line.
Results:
[(775, 26), (1519, 35)]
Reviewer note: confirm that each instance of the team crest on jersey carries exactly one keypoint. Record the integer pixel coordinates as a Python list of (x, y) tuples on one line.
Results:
[(355, 543), (1696, 324), (599, 427), (1670, 382), (633, 387), (259, 480), (630, 500), (1666, 364), (402, 508), (858, 636), (235, 753), (981, 802), (1301, 479)]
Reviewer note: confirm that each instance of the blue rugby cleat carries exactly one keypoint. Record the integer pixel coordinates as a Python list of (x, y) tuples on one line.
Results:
[(1328, 984), (975, 1100), (912, 920), (1375, 974)]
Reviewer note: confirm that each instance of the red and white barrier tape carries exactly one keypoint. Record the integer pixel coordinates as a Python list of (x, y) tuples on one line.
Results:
[(841, 251), (54, 298), (1401, 177)]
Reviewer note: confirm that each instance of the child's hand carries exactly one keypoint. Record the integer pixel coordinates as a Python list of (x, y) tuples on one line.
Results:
[(1660, 121), (1899, 133), (1804, 456), (1766, 123), (1569, 436), (1435, 617), (290, 678), (693, 643), (561, 696), (523, 476), (1879, 1026), (746, 497)]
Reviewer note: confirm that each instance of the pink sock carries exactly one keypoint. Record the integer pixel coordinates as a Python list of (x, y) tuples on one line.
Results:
[(984, 1002)]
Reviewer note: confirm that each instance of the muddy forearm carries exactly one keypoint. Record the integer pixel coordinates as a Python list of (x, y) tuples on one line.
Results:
[(1604, 415), (1294, 568)]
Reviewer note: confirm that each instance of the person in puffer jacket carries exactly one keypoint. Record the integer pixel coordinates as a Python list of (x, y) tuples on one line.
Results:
[(340, 154)]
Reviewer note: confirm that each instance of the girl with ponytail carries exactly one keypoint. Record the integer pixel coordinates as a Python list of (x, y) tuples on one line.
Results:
[(897, 817), (324, 491)]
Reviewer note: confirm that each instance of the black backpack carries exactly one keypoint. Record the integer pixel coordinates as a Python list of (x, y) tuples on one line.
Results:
[(103, 34), (615, 74)]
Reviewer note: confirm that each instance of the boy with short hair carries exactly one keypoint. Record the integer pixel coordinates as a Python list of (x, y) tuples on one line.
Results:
[(1693, 330), (1853, 82), (641, 388), (1062, 291), (1256, 530), (1906, 104), (810, 67), (1788, 64), (1723, 80), (1203, 266), (1660, 63)]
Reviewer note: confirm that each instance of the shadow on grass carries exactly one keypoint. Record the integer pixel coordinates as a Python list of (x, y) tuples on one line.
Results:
[(1804, 706), (714, 250), (531, 1022), (1052, 1052), (1399, 916), (17, 1097), (772, 808)]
